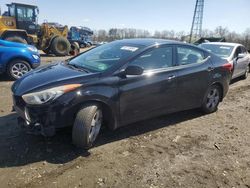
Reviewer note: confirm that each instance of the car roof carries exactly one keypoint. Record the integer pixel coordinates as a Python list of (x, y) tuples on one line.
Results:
[(224, 43), (149, 41)]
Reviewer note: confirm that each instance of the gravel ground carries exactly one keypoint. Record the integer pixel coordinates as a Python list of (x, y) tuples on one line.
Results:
[(186, 149)]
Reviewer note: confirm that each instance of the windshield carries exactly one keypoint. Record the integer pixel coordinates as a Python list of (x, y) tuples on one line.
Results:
[(104, 57), (223, 51)]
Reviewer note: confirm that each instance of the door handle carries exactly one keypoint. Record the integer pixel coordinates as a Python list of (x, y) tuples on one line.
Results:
[(209, 69), (171, 77)]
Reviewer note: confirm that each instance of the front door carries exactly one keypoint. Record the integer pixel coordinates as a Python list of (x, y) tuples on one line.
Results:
[(152, 93)]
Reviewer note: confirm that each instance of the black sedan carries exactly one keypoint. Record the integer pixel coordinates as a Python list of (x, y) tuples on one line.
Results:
[(120, 83)]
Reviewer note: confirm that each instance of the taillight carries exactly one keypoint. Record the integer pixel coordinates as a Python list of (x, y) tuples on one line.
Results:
[(228, 66)]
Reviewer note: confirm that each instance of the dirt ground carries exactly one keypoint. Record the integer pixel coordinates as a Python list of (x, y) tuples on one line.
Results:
[(185, 149)]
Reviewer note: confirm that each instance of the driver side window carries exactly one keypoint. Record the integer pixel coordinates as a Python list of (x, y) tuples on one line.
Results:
[(237, 52), (155, 59)]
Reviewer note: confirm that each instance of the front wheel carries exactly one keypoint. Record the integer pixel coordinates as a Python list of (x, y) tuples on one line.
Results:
[(17, 68), (212, 99), (246, 73), (60, 46), (87, 125)]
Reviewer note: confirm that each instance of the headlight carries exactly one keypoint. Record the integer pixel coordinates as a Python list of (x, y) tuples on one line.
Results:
[(42, 97), (32, 48), (36, 57)]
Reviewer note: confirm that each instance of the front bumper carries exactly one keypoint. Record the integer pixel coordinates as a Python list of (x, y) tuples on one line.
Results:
[(1, 69), (35, 65), (34, 124), (43, 119)]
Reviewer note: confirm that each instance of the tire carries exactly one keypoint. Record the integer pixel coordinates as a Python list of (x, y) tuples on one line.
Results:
[(17, 68), (212, 99), (246, 73), (16, 39), (75, 49), (60, 46), (87, 125)]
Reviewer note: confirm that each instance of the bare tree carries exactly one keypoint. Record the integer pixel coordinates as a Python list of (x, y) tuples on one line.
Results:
[(116, 33)]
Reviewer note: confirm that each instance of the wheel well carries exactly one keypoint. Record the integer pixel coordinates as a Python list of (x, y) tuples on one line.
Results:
[(221, 89), (18, 58), (22, 34), (109, 119)]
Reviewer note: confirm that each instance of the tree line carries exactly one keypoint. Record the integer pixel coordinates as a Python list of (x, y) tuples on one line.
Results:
[(116, 33)]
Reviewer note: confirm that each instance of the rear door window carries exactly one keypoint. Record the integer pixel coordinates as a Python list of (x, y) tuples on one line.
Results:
[(187, 56)]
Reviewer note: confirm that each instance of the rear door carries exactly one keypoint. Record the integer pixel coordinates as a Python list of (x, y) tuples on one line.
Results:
[(194, 76), (152, 93)]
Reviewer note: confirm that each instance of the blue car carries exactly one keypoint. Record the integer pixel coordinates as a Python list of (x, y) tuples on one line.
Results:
[(17, 59)]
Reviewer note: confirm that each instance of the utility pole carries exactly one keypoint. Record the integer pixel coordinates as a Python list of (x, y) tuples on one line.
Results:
[(196, 28)]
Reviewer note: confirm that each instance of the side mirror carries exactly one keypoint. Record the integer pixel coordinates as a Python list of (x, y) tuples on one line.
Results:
[(133, 70), (241, 56)]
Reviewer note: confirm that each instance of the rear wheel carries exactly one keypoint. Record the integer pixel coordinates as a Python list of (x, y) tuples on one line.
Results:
[(16, 39), (87, 126), (17, 68), (212, 99), (60, 46)]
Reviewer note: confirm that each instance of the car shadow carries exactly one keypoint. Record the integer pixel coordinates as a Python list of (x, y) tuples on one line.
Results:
[(18, 148), (47, 55), (234, 81)]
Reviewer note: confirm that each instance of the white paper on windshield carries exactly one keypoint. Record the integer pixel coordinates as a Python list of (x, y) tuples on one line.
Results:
[(129, 48)]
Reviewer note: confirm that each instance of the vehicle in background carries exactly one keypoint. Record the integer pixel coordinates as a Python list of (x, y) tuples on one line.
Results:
[(120, 83), (17, 59), (234, 53), (20, 24), (209, 39), (81, 35), (100, 43)]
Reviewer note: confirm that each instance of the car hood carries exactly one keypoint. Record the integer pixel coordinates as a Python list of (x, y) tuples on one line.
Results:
[(49, 76), (12, 44)]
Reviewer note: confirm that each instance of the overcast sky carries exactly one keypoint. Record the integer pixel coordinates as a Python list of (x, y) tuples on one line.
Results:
[(142, 14)]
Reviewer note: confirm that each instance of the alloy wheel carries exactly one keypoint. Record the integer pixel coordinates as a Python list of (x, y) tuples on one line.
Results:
[(213, 98), (19, 69), (95, 125)]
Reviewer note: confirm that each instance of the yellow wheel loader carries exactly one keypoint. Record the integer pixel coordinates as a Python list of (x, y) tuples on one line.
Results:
[(20, 24)]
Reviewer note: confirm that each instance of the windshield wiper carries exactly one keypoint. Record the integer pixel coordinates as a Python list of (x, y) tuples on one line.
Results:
[(78, 67)]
